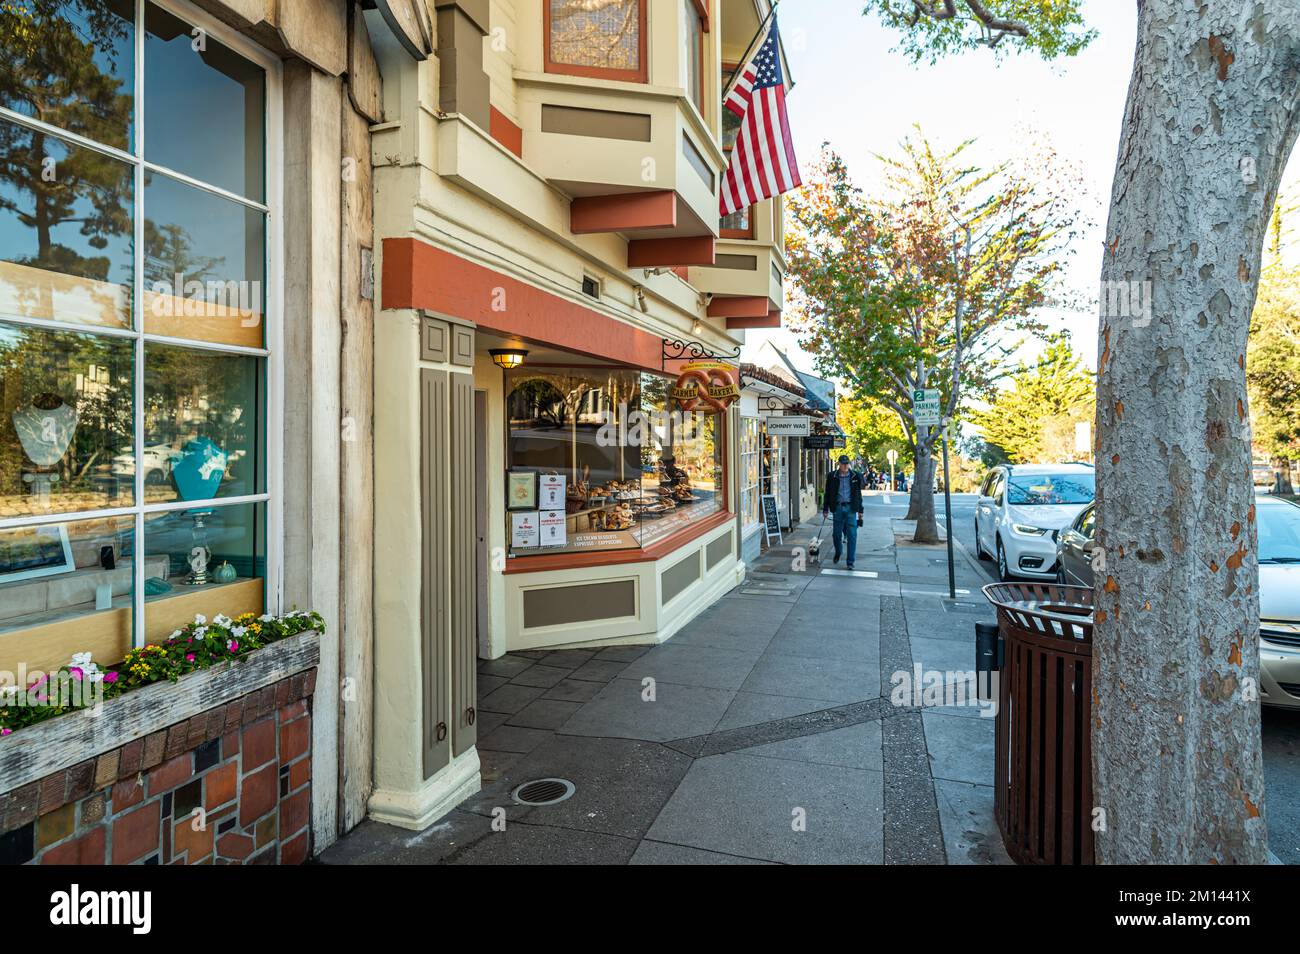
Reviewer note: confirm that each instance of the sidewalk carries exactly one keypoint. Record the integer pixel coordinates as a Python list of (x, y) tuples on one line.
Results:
[(762, 733)]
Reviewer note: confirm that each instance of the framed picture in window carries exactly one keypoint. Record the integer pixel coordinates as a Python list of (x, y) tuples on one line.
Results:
[(31, 552), (521, 490)]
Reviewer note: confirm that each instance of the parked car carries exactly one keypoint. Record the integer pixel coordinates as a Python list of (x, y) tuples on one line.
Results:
[(157, 463), (1262, 474), (1278, 522), (1019, 508)]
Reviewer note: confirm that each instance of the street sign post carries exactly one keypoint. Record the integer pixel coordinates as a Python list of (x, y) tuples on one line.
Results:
[(891, 455), (947, 515), (925, 407)]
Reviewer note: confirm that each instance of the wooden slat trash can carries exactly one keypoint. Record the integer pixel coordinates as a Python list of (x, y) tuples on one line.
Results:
[(1043, 752)]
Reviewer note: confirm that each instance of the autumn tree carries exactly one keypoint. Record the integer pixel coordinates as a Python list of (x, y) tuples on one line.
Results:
[(1034, 420), (913, 290), (871, 431), (1212, 115)]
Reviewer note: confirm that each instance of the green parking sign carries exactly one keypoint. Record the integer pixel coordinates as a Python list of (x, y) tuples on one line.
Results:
[(925, 406)]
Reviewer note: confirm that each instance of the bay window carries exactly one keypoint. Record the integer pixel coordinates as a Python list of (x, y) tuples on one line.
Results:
[(606, 40), (135, 223)]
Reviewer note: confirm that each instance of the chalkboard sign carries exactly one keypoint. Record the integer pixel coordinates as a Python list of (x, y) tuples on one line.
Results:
[(771, 519)]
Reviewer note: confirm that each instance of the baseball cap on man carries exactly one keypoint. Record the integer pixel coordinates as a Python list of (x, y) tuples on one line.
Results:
[(844, 458)]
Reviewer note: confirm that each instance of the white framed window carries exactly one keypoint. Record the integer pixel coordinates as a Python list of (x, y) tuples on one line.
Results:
[(140, 303), (750, 470)]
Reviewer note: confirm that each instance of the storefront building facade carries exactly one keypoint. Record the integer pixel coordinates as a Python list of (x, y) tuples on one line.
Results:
[(185, 247), (551, 262), (427, 324)]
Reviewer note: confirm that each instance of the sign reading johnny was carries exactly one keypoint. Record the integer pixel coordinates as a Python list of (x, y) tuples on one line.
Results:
[(789, 426), (925, 406)]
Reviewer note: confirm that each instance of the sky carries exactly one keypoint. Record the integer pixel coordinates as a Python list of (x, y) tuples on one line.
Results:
[(853, 91)]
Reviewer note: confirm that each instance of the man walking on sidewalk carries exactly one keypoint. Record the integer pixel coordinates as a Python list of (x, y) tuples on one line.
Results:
[(843, 498)]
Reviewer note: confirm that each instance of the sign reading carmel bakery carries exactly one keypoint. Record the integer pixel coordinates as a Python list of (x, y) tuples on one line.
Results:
[(709, 386), (790, 426), (925, 407)]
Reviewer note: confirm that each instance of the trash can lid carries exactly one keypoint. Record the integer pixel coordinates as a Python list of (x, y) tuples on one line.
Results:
[(1047, 608)]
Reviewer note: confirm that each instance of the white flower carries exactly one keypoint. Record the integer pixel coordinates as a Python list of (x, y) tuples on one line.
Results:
[(222, 620), (200, 618), (266, 617), (238, 631), (201, 631)]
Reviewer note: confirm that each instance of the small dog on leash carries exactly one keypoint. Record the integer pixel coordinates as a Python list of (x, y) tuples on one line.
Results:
[(815, 547)]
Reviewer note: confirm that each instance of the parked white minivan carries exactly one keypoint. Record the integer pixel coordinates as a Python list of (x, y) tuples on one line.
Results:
[(1020, 508)]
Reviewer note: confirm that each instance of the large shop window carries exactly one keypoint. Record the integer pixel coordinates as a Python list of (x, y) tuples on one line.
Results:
[(133, 355), (605, 39), (601, 459)]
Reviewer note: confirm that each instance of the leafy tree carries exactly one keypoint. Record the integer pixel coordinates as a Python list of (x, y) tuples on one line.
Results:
[(1210, 122), (1034, 420), (910, 291), (1273, 370), (871, 431), (933, 28)]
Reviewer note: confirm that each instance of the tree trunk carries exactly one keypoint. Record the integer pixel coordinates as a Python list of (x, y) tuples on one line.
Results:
[(927, 528), (1210, 120)]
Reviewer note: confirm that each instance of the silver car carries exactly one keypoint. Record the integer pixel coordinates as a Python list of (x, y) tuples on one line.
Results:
[(1278, 522)]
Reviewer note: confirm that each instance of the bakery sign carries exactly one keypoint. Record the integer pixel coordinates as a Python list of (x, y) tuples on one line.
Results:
[(706, 386)]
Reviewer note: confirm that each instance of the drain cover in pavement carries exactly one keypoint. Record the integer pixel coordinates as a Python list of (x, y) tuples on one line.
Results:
[(543, 791)]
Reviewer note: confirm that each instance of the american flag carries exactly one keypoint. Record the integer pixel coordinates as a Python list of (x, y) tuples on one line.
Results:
[(762, 162)]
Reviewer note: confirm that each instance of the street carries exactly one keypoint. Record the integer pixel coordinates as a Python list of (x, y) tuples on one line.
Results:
[(1281, 727)]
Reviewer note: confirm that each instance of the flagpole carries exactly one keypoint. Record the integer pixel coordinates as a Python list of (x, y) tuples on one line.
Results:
[(731, 80)]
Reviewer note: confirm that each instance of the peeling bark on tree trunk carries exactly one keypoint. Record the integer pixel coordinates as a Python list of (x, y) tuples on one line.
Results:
[(922, 496), (1210, 121)]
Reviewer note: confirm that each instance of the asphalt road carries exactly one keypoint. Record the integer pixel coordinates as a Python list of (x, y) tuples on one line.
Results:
[(1281, 727)]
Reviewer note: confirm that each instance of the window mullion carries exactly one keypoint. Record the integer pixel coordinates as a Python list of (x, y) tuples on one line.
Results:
[(137, 313)]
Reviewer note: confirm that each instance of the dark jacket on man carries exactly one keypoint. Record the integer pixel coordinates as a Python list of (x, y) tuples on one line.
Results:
[(831, 495)]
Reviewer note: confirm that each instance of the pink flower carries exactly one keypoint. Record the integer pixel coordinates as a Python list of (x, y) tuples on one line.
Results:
[(110, 676), (76, 672), (39, 682), (189, 657), (232, 646), (4, 732)]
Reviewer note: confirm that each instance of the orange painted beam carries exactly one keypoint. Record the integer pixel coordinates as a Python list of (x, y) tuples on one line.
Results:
[(417, 275), (623, 213), (771, 320), (738, 307), (652, 253), (506, 132)]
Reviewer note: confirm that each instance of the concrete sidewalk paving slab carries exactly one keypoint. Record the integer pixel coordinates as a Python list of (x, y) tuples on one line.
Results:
[(509, 698), (828, 644), (809, 677), (661, 853), (753, 708), (856, 746), (620, 785), (777, 810), (620, 712), (961, 749), (544, 714), (970, 832), (693, 665)]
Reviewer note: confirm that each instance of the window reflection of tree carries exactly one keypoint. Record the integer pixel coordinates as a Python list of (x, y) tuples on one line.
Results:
[(65, 62), (536, 403), (600, 33)]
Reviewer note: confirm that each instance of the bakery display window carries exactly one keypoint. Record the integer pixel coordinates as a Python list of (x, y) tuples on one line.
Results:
[(599, 459)]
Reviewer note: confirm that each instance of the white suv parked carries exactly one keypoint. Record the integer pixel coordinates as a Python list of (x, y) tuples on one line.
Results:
[(1022, 507)]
